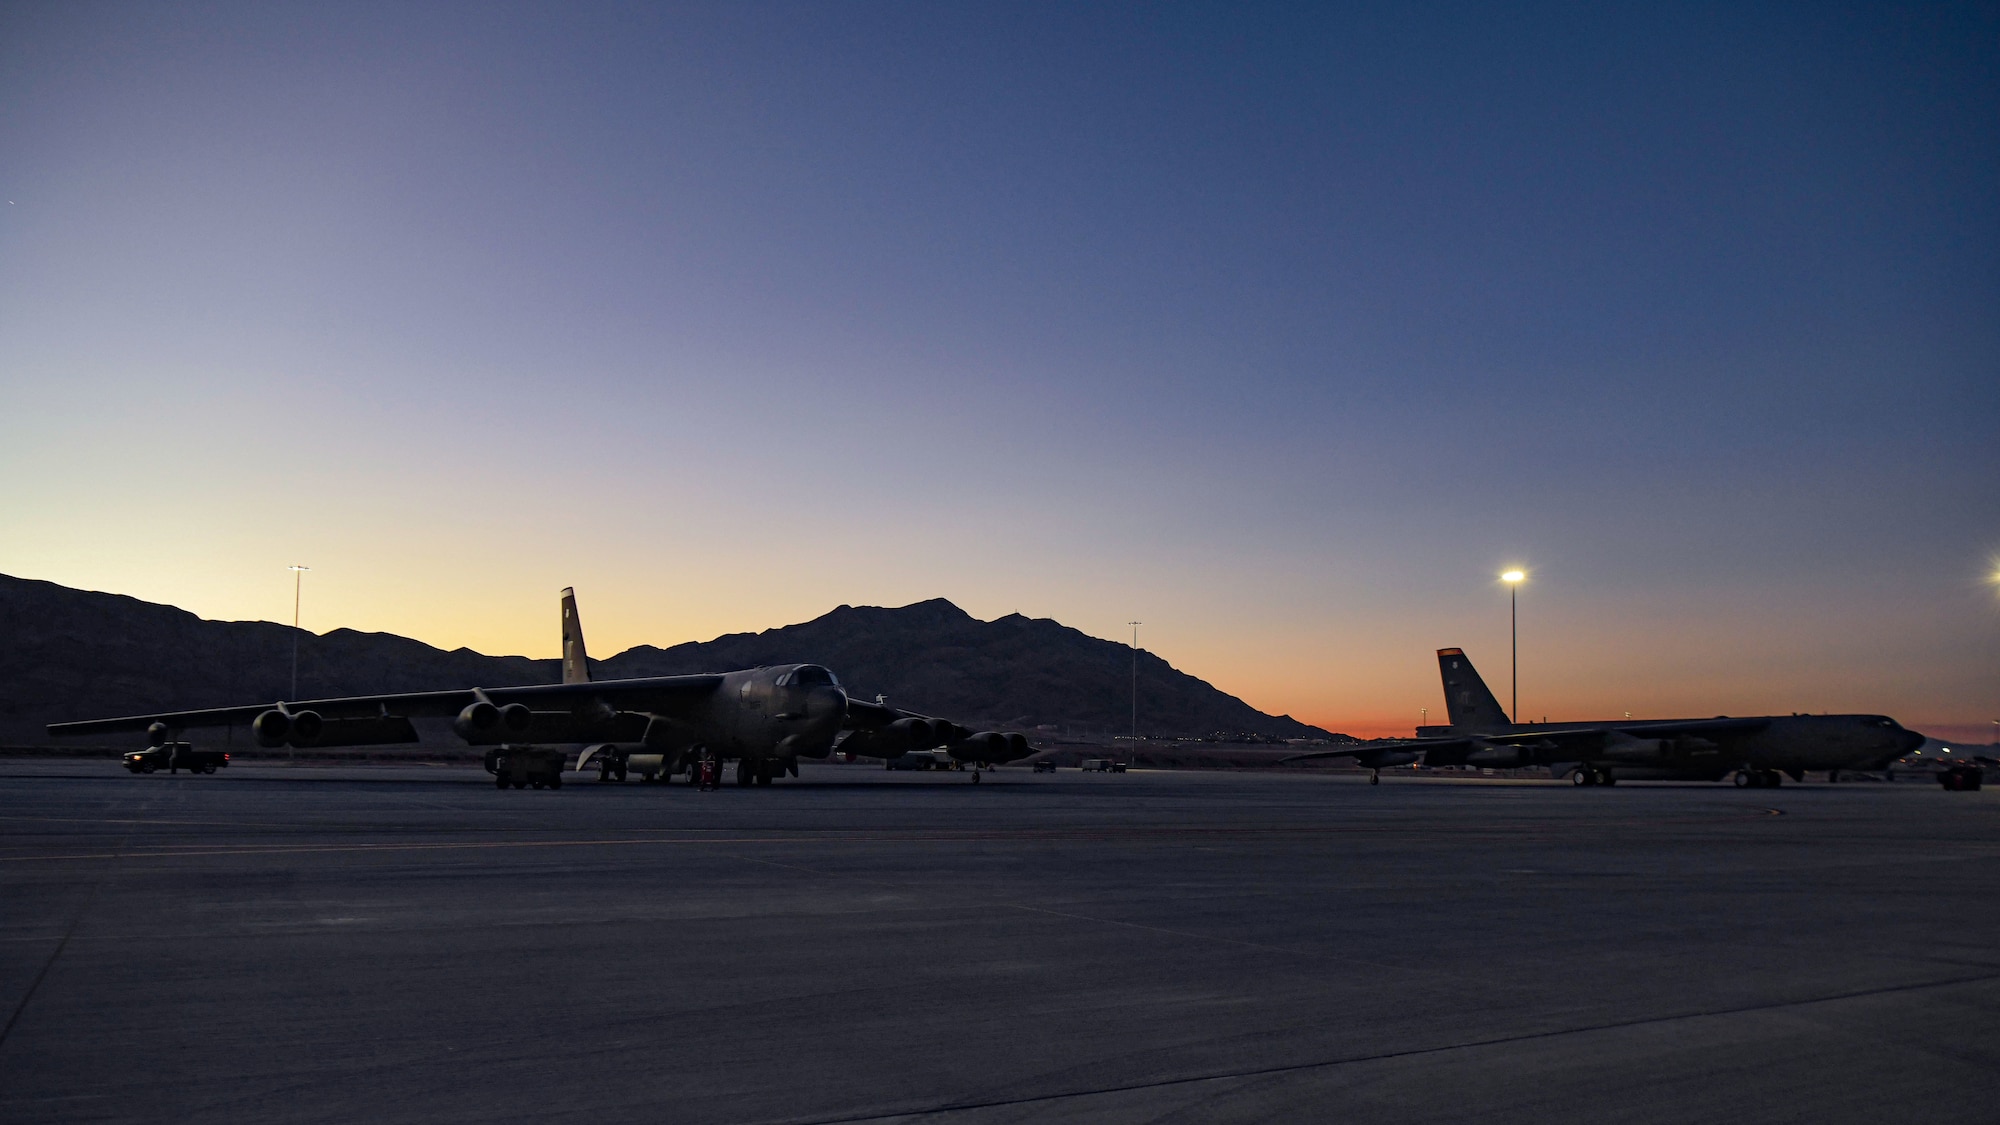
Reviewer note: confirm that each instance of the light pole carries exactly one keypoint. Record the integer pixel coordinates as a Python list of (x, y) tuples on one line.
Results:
[(1513, 580), (1135, 678), (298, 580)]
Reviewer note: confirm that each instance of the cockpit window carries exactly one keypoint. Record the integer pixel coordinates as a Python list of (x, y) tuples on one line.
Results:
[(812, 675)]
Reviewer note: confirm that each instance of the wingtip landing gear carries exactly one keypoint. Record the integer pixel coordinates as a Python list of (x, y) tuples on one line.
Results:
[(1374, 777)]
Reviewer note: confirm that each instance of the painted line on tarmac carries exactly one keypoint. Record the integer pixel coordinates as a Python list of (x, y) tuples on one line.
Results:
[(1022, 836)]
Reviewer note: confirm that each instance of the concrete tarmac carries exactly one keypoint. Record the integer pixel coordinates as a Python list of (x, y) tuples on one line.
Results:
[(408, 944)]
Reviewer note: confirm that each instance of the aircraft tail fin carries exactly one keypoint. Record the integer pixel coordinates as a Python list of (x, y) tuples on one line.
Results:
[(1467, 700), (575, 662)]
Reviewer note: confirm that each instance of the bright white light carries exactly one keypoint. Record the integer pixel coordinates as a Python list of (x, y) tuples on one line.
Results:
[(1513, 576)]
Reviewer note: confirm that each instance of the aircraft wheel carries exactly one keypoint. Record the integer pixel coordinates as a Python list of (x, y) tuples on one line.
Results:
[(1374, 777), (1581, 777), (1744, 780), (742, 771), (499, 781), (975, 777)]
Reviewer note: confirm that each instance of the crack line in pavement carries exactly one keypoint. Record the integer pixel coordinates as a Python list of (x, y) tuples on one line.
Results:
[(1293, 1068), (62, 943)]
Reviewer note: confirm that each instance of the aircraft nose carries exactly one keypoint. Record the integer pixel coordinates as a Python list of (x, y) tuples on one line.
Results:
[(1909, 740), (826, 706)]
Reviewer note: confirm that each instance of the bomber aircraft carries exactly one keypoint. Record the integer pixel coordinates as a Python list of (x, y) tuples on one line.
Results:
[(765, 719), (1756, 751)]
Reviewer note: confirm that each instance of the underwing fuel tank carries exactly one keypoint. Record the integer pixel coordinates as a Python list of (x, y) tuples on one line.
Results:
[(1495, 757), (1636, 751)]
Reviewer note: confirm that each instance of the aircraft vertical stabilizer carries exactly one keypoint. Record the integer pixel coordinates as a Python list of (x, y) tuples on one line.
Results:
[(1467, 701), (576, 662)]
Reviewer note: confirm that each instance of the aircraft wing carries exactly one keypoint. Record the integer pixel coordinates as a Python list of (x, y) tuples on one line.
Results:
[(863, 715), (666, 695), (881, 731), (1392, 746), (1585, 738)]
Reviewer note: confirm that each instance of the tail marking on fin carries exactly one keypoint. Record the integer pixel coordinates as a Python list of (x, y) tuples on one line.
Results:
[(575, 661)]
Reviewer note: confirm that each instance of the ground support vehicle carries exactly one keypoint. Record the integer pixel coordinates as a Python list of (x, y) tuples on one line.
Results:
[(1046, 765), (174, 757), (1103, 765), (526, 766), (1965, 777)]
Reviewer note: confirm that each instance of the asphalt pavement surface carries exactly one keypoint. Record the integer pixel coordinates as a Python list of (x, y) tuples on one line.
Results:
[(409, 944)]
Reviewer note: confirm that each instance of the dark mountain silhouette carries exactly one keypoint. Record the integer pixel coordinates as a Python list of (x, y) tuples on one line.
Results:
[(73, 654), (1016, 673)]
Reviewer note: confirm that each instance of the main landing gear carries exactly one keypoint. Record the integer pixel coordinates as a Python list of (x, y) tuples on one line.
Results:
[(1374, 777), (1759, 779), (1587, 776), (756, 771), (522, 767)]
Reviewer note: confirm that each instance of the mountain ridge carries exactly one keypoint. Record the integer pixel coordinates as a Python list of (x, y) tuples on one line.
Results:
[(78, 654)]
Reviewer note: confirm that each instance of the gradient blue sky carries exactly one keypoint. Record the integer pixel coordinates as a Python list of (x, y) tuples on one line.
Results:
[(1280, 328)]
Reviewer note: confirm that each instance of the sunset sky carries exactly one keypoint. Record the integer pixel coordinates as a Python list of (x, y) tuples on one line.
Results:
[(1282, 329)]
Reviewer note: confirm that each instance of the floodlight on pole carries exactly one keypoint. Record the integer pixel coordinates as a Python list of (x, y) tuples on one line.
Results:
[(1135, 678), (298, 581), (1513, 579)]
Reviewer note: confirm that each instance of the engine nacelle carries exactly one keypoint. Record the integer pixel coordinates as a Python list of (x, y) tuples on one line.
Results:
[(306, 726), (476, 720), (272, 728), (986, 746), (1383, 759), (517, 718), (158, 735), (910, 734), (991, 746)]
